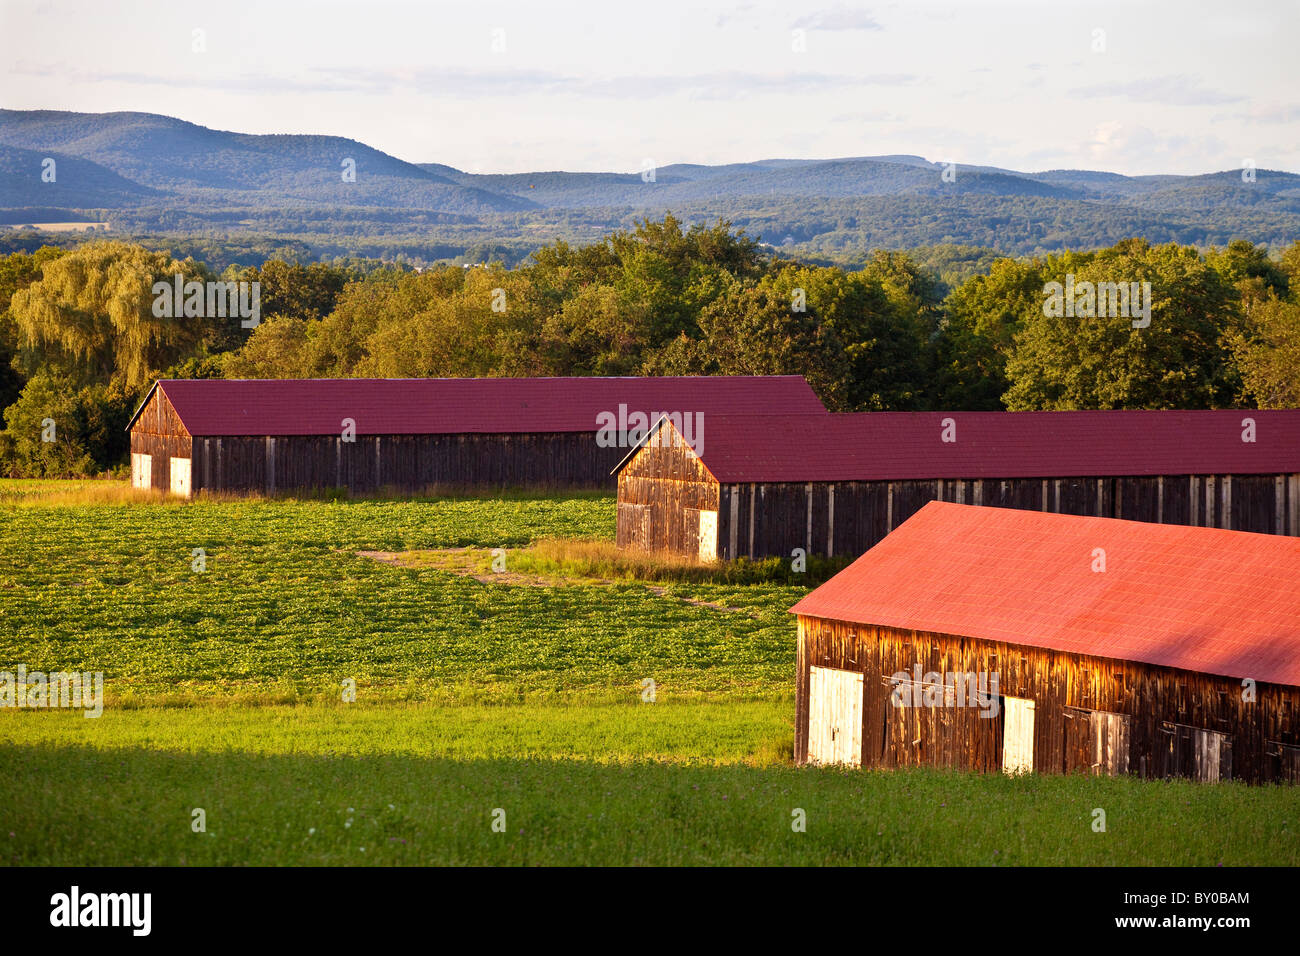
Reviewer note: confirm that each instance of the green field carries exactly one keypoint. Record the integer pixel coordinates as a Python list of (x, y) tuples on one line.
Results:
[(474, 693)]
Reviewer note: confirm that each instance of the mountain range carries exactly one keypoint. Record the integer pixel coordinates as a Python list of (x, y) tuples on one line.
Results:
[(144, 171)]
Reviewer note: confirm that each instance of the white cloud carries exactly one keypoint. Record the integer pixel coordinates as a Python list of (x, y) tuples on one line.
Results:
[(839, 17)]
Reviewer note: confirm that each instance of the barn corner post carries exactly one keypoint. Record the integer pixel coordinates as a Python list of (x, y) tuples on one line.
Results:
[(801, 693)]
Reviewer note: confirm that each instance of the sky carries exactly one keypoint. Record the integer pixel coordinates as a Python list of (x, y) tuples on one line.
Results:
[(494, 86)]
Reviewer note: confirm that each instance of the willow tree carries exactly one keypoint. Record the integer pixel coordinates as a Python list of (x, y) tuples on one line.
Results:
[(90, 317)]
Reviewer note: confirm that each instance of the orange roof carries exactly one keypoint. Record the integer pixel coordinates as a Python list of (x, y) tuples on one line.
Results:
[(1198, 599)]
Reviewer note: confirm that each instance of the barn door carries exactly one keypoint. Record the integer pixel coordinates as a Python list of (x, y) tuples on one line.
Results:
[(141, 470), (1097, 741), (1213, 761), (1195, 752), (634, 526), (180, 474), (708, 535), (1017, 735), (1286, 758), (834, 716)]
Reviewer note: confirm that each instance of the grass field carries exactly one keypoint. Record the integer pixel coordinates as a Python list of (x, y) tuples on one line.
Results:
[(477, 691)]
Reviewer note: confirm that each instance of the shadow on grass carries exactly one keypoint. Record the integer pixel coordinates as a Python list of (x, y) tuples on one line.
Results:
[(74, 805)]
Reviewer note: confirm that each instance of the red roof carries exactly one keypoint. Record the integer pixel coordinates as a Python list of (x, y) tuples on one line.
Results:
[(1198, 599), (462, 405), (885, 446)]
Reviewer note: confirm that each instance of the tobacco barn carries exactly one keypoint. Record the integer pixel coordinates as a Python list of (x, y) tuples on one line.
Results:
[(836, 484), (1104, 647), (362, 435)]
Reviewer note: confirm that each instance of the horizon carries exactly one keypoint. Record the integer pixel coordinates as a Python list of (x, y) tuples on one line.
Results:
[(883, 157), (521, 89)]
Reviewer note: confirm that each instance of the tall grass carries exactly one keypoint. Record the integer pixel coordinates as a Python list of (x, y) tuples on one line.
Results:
[(603, 559)]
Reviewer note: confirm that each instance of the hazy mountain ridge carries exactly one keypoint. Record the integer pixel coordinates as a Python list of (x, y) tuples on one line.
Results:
[(152, 172)]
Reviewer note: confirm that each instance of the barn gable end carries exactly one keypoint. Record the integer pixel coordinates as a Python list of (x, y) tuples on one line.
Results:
[(161, 446), (667, 499)]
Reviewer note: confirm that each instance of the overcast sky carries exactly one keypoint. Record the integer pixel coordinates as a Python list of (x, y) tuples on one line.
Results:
[(506, 86)]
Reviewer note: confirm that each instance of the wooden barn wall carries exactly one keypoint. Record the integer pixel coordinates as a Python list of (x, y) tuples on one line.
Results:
[(661, 492), (849, 517), (158, 432), (270, 465), (1265, 733)]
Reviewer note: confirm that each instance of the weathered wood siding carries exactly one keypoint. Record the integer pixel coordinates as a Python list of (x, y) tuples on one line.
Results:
[(1158, 709), (846, 518), (158, 432), (412, 463), (661, 492)]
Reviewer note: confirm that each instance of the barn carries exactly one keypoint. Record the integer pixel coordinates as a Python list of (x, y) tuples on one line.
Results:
[(362, 435), (997, 639), (834, 485)]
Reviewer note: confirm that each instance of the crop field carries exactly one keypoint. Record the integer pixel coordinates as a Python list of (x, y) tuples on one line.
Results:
[(595, 716)]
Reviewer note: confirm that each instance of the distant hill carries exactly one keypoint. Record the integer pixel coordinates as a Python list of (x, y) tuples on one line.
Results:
[(77, 182), (156, 174), (200, 166)]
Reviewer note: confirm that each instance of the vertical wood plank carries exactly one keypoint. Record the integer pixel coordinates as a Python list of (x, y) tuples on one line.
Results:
[(1279, 505), (270, 465), (808, 537), (830, 520), (753, 509), (733, 532), (1293, 505)]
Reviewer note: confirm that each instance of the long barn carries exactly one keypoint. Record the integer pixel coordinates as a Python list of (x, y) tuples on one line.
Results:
[(362, 435), (994, 639), (834, 485)]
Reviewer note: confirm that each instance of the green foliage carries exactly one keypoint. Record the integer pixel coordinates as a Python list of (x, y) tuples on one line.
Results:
[(17, 271), (90, 316), (87, 426), (1268, 354), (1087, 361), (666, 298)]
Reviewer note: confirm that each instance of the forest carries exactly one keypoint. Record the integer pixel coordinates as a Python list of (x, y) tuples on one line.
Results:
[(956, 328)]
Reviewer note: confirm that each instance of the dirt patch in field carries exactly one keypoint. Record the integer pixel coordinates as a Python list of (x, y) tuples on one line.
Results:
[(469, 562), (663, 592)]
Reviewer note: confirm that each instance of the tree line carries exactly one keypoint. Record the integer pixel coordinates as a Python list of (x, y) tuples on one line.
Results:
[(80, 342)]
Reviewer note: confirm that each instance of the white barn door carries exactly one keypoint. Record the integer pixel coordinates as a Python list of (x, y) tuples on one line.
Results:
[(141, 470), (180, 472), (834, 716), (708, 535), (1017, 735)]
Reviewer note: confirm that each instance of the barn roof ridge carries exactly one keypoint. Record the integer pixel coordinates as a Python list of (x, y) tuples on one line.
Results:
[(1207, 600)]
